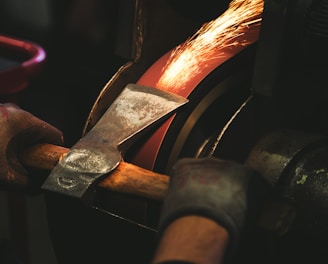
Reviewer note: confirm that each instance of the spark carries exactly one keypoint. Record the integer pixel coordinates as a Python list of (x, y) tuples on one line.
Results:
[(211, 42)]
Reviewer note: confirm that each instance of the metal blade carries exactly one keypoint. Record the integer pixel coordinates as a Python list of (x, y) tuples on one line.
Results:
[(99, 152)]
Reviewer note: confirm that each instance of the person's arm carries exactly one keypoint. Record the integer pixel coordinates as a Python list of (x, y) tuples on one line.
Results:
[(193, 239), (208, 202), (20, 129)]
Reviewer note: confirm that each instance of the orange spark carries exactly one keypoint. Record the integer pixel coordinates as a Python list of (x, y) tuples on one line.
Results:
[(211, 42)]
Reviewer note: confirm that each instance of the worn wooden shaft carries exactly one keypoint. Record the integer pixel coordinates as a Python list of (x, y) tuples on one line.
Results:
[(126, 178), (131, 179)]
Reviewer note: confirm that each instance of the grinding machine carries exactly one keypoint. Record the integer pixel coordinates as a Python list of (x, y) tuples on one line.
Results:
[(257, 95)]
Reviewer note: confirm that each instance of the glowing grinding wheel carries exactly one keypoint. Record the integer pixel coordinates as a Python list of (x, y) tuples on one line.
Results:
[(204, 70)]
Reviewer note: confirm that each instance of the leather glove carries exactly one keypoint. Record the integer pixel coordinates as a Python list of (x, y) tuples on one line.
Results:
[(18, 130), (224, 191)]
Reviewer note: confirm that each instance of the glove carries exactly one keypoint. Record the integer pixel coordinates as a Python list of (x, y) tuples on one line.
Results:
[(224, 191), (18, 130)]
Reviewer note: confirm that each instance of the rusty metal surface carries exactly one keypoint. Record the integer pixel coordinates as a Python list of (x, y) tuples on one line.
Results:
[(308, 188), (99, 151), (273, 153), (295, 163)]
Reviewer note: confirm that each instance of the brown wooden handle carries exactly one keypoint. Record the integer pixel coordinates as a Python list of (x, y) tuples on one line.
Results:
[(126, 178), (131, 179)]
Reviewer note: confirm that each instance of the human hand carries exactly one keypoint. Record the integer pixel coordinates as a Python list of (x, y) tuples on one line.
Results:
[(18, 130), (224, 191)]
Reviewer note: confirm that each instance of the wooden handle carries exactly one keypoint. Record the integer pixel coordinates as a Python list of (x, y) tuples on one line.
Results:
[(131, 179), (126, 178)]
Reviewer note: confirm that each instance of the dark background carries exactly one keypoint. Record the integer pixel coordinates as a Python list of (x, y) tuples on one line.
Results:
[(85, 41)]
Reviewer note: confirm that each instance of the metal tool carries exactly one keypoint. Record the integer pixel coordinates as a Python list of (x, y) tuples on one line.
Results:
[(100, 151), (127, 178)]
